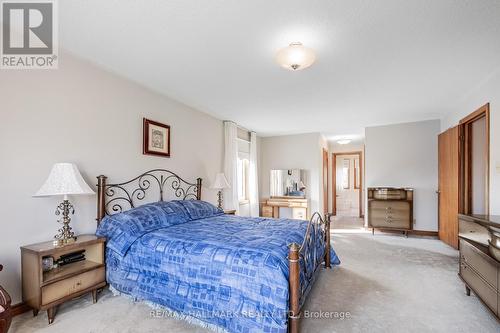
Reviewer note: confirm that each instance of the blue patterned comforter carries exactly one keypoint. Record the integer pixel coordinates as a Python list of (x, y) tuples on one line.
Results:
[(227, 271)]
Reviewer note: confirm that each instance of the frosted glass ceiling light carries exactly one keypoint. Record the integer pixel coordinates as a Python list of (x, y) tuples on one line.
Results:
[(343, 141), (295, 57)]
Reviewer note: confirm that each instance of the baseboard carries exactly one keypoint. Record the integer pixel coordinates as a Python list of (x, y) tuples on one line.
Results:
[(424, 233), (19, 308)]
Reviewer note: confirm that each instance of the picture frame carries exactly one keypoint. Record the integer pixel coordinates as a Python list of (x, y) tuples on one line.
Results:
[(156, 138)]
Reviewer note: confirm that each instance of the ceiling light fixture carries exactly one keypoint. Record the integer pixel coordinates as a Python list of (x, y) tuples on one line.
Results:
[(344, 141), (295, 57)]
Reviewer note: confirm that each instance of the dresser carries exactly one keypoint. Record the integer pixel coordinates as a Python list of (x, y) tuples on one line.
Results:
[(298, 205), (478, 269), (45, 290), (390, 208)]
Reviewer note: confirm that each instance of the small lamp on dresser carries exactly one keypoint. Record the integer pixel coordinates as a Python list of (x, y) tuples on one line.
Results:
[(64, 180), (220, 183)]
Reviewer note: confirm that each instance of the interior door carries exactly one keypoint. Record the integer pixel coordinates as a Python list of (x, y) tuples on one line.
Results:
[(347, 195), (449, 179), (325, 181)]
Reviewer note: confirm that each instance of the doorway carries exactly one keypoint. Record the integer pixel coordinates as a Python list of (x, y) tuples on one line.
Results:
[(347, 184), (475, 144), (464, 164)]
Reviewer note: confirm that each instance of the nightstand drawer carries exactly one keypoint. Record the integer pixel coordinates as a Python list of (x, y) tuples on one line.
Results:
[(66, 287), (267, 211)]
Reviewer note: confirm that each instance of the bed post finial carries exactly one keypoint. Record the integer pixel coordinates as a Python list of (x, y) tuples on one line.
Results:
[(294, 288), (198, 189), (101, 198), (327, 240)]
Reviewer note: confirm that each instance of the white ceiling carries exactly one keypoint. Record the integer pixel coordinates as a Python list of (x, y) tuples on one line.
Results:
[(378, 61)]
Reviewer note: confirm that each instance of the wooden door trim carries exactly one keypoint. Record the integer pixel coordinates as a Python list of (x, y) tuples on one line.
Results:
[(325, 193), (466, 157), (334, 180)]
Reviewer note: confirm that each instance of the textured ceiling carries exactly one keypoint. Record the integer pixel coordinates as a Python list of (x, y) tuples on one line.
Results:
[(378, 61)]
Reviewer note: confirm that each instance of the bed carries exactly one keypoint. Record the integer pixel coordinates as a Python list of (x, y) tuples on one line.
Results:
[(185, 256)]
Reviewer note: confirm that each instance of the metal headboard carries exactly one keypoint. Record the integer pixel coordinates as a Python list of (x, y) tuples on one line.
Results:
[(117, 198)]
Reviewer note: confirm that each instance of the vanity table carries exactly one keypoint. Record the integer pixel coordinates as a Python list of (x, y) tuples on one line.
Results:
[(287, 190), (271, 207), (478, 269)]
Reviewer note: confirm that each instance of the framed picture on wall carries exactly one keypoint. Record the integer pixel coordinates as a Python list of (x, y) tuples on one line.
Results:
[(156, 138)]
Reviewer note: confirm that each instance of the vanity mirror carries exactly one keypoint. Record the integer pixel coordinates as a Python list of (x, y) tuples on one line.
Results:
[(288, 183)]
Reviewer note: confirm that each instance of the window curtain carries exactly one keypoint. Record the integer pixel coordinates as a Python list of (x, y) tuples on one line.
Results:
[(231, 165), (253, 179)]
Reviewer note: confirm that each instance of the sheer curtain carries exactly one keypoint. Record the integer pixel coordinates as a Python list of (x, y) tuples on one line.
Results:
[(230, 165), (253, 179)]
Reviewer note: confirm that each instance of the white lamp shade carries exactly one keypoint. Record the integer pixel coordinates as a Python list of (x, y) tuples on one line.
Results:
[(64, 179), (220, 182), (295, 57)]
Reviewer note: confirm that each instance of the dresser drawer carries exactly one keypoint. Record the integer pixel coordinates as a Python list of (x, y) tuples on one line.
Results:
[(479, 286), (299, 213), (398, 209), (66, 287), (386, 222), (390, 214), (481, 262)]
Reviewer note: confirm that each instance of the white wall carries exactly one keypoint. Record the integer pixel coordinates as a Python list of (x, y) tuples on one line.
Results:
[(84, 115), (486, 92), (405, 155), (293, 152)]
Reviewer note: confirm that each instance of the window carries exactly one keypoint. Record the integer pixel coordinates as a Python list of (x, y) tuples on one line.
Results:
[(346, 163), (243, 167)]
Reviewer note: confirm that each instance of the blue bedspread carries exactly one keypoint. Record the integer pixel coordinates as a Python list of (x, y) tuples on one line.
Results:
[(225, 270)]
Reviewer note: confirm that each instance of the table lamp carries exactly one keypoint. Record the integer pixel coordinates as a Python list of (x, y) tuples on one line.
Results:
[(64, 179), (220, 183)]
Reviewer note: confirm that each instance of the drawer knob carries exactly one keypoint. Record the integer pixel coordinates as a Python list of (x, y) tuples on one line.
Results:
[(79, 283)]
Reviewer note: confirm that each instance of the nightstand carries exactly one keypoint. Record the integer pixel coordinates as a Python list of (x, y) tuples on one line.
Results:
[(230, 211), (46, 290)]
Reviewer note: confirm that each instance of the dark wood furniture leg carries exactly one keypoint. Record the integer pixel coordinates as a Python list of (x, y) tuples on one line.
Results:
[(35, 312), (94, 296), (467, 290), (51, 314)]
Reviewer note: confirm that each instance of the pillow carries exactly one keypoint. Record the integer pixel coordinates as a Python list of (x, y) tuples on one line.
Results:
[(123, 229), (197, 209)]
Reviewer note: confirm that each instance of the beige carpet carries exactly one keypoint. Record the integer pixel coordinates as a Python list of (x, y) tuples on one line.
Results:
[(386, 283)]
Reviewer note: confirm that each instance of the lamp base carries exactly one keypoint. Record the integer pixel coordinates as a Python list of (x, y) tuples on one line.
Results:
[(65, 235), (219, 199)]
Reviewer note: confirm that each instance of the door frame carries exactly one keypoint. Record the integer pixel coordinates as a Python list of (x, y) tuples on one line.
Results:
[(325, 181), (334, 180), (466, 156)]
